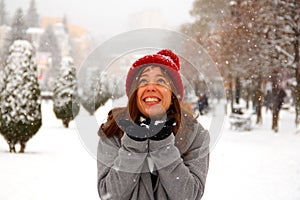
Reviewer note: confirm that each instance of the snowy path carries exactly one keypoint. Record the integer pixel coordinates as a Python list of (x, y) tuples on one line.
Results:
[(257, 165), (260, 164), (55, 165)]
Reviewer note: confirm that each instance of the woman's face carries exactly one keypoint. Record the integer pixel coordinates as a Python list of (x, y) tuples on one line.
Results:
[(154, 92)]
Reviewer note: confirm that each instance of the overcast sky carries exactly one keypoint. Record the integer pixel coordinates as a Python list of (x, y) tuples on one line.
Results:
[(104, 18)]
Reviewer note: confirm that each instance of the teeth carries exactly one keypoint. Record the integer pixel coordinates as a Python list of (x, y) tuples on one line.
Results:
[(151, 99)]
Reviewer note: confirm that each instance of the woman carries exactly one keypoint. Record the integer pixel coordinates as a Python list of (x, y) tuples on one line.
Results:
[(153, 148)]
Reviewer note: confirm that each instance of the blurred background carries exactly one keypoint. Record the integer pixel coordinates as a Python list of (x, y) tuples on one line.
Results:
[(254, 44)]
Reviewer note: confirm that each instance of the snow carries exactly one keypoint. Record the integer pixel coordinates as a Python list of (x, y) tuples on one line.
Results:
[(35, 30), (257, 164), (55, 165)]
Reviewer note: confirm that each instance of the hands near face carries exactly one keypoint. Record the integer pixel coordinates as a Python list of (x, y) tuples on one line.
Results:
[(147, 129)]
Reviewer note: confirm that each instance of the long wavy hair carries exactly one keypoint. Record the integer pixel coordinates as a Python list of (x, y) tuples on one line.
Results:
[(131, 111)]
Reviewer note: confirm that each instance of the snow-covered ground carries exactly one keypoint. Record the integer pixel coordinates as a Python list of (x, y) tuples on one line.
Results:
[(257, 164)]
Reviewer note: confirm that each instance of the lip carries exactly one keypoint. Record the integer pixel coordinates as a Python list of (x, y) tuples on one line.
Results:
[(151, 102)]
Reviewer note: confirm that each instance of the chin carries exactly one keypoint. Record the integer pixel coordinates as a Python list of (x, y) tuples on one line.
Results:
[(157, 114)]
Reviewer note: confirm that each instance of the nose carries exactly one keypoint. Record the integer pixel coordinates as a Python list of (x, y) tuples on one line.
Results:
[(151, 87)]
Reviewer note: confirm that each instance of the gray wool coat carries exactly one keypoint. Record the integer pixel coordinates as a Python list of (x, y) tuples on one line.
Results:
[(181, 162)]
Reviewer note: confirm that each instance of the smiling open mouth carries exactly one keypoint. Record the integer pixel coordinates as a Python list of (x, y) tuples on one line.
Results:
[(151, 100)]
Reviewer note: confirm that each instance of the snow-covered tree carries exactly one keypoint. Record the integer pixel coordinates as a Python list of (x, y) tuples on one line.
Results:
[(65, 94), (94, 91), (3, 14), (256, 41), (289, 47), (207, 13), (232, 47), (1, 79), (20, 106), (17, 32), (18, 27), (269, 24), (32, 17)]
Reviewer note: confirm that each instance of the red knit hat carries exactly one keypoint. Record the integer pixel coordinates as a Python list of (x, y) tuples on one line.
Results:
[(165, 59)]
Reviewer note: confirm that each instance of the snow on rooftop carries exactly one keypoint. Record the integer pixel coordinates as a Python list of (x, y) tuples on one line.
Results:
[(33, 30)]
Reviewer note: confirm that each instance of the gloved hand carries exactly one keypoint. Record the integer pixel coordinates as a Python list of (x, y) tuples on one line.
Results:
[(160, 131), (133, 130), (147, 129)]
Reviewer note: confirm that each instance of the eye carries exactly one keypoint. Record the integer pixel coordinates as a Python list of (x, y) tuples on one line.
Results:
[(162, 81), (143, 82)]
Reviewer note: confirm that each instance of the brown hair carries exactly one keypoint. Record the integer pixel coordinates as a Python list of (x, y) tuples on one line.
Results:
[(111, 128)]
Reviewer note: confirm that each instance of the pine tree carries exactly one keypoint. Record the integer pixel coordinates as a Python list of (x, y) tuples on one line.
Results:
[(20, 107), (17, 32), (3, 14), (32, 18), (49, 43), (65, 94), (18, 27), (95, 92), (1, 80), (3, 21)]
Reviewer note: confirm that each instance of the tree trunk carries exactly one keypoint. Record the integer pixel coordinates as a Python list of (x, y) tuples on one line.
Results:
[(297, 98), (258, 105), (259, 98), (23, 145), (11, 145), (296, 38), (297, 89), (237, 90), (66, 122), (275, 119), (275, 91), (247, 96), (297, 95), (231, 94)]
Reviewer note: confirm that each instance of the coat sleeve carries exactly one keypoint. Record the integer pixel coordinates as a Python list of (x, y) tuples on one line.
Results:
[(182, 176), (119, 166)]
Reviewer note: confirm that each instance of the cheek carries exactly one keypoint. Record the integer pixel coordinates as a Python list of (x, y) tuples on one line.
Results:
[(139, 94), (138, 98), (168, 97)]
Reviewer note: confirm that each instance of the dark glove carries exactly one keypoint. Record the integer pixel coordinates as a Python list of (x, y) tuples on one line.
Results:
[(160, 131), (133, 130), (154, 130)]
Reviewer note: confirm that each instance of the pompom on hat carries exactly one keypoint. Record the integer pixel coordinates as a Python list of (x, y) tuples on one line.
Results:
[(165, 59)]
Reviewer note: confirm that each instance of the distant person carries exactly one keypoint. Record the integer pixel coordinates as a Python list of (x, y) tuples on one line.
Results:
[(280, 98), (268, 100), (203, 104)]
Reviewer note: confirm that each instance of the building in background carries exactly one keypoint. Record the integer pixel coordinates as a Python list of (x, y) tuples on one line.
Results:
[(81, 43), (73, 40), (35, 34)]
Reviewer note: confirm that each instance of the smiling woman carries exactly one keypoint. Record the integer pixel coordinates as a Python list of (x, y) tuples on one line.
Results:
[(153, 93), (153, 147)]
